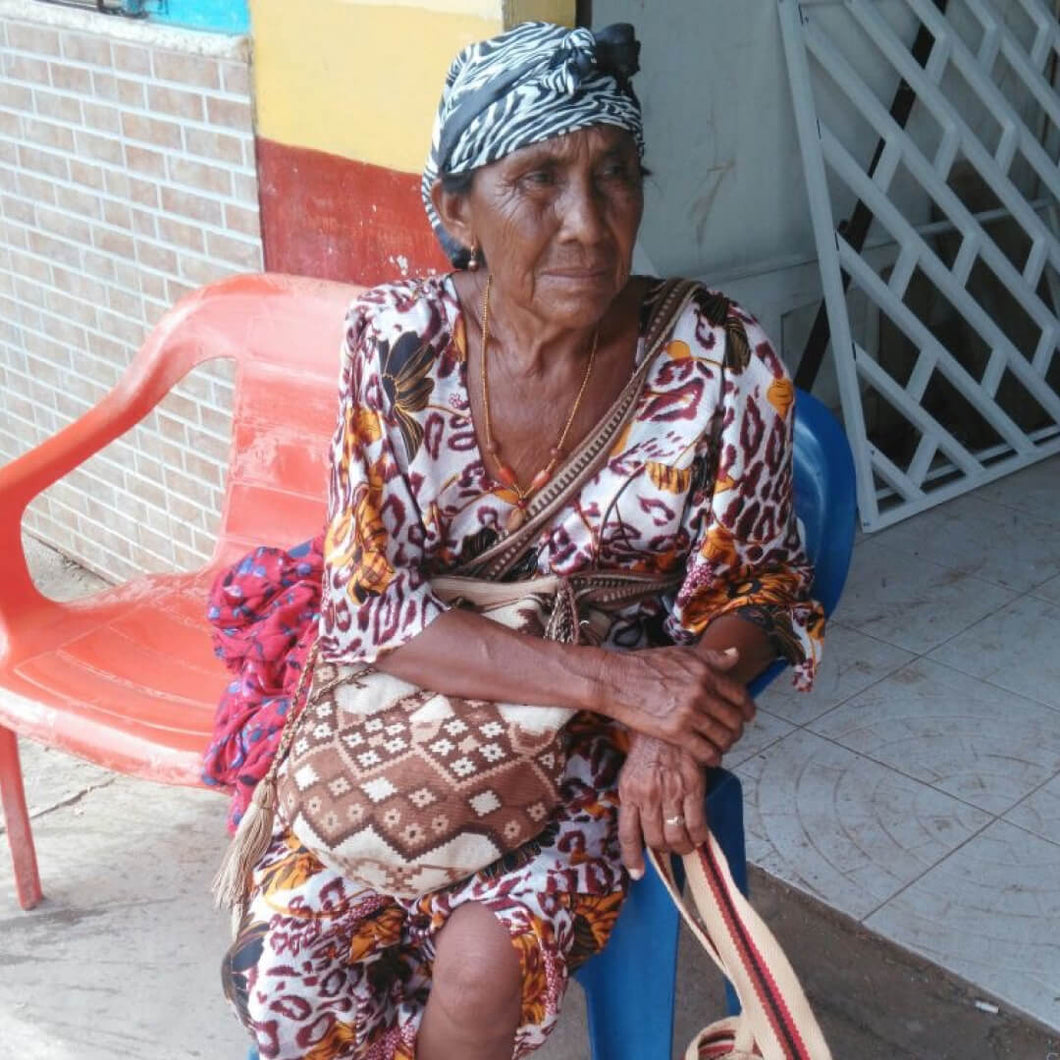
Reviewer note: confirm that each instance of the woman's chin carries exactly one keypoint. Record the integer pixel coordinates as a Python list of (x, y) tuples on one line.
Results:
[(577, 300)]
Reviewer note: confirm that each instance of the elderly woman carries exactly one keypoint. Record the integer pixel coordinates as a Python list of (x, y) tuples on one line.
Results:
[(460, 396)]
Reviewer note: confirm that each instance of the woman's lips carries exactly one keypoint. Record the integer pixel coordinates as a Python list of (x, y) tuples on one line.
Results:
[(579, 275)]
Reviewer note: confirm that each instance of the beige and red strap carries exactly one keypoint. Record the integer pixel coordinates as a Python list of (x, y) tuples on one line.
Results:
[(776, 1022)]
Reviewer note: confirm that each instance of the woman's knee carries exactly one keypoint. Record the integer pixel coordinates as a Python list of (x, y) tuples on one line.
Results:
[(476, 968)]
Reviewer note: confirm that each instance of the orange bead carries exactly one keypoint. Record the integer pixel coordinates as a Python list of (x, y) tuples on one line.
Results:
[(540, 479), (506, 476)]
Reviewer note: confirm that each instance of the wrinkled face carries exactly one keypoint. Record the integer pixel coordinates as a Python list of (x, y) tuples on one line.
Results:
[(557, 222)]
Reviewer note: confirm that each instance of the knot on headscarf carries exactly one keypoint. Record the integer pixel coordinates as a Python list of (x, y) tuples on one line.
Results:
[(613, 50), (530, 84)]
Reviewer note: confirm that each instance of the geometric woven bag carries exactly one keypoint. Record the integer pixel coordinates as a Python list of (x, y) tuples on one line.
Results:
[(407, 790)]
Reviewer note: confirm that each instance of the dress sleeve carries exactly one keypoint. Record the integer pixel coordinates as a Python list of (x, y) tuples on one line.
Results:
[(375, 595), (747, 556)]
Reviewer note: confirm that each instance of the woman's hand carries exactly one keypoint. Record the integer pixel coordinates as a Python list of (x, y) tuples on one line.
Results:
[(685, 696), (661, 791)]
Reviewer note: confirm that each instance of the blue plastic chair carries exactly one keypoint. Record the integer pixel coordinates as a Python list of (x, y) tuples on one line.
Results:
[(630, 987)]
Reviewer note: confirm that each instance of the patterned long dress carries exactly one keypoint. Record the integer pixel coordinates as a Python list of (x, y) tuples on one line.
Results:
[(701, 481)]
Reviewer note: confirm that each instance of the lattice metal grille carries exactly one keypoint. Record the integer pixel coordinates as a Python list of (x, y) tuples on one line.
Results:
[(961, 381)]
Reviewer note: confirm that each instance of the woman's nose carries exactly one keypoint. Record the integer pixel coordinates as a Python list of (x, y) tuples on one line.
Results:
[(583, 212)]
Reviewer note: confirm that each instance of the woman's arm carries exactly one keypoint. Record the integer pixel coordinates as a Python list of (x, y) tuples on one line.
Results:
[(681, 695), (662, 788), (751, 642)]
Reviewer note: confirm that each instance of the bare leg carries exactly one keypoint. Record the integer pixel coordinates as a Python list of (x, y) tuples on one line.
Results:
[(475, 1003)]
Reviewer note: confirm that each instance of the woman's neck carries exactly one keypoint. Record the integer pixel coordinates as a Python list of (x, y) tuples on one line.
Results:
[(530, 345)]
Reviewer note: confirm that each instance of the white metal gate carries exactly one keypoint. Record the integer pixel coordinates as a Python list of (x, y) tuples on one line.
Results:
[(962, 260)]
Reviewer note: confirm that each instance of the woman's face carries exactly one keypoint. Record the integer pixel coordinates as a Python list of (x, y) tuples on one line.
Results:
[(557, 222)]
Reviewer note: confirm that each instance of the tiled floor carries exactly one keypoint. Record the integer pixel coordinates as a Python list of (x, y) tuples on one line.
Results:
[(917, 788)]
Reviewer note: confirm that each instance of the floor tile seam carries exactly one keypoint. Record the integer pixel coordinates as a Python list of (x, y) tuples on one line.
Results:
[(911, 554), (1050, 577), (1017, 596), (992, 684), (853, 695), (765, 747), (934, 865), (847, 627), (1028, 831), (1030, 795), (909, 776), (1036, 516)]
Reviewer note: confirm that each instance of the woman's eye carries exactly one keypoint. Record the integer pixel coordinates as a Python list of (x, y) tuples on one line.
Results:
[(617, 171), (540, 178)]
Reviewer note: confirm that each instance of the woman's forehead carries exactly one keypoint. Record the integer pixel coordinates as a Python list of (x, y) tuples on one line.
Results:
[(595, 140)]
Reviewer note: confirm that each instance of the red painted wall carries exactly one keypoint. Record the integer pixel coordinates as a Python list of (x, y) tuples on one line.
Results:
[(337, 219)]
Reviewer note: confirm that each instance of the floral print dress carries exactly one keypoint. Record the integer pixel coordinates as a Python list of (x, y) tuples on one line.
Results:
[(700, 481)]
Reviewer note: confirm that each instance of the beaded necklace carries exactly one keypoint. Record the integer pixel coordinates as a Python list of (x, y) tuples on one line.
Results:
[(505, 475)]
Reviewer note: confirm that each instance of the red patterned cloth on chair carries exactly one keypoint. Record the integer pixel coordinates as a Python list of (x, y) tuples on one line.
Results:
[(264, 611)]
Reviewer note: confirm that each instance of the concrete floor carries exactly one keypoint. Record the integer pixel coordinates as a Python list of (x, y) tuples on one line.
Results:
[(120, 961)]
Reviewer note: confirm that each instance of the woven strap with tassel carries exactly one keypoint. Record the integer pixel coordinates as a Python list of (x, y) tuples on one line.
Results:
[(231, 885)]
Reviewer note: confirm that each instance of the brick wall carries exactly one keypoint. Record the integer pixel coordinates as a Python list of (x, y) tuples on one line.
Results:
[(127, 178)]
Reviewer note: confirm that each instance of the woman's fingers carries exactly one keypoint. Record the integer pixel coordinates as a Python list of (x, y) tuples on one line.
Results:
[(695, 811), (726, 718), (734, 693), (700, 748), (630, 839), (721, 737), (675, 829), (651, 825)]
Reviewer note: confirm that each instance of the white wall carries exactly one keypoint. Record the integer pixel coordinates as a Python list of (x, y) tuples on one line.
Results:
[(727, 189), (727, 201)]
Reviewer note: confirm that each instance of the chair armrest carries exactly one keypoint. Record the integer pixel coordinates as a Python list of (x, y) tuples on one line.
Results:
[(33, 472), (173, 348)]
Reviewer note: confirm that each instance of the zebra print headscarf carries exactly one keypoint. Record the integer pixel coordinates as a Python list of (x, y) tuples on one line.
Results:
[(527, 85)]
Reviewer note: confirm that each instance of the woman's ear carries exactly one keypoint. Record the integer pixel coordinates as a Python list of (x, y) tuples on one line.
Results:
[(454, 211)]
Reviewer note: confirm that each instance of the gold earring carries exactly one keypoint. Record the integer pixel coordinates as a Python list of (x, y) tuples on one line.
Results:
[(473, 262)]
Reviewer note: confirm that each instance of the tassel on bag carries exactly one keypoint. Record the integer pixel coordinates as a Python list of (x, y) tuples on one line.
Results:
[(231, 885), (248, 846)]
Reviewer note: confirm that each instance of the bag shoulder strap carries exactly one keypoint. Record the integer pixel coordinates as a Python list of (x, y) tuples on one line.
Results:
[(776, 1021), (669, 302)]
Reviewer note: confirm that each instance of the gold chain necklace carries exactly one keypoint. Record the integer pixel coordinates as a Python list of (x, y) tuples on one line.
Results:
[(505, 475)]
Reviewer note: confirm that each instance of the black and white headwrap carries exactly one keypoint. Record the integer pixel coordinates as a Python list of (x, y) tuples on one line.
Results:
[(534, 82)]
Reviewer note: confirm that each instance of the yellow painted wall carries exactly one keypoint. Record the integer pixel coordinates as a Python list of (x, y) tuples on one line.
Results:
[(561, 11), (360, 78)]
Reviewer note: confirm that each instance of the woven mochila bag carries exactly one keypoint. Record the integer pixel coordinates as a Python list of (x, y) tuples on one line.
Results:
[(406, 790)]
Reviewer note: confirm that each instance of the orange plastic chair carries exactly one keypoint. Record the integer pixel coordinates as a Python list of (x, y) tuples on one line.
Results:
[(127, 678)]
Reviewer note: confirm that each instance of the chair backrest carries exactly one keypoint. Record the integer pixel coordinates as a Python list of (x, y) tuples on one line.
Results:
[(283, 417), (284, 334), (825, 497), (826, 504)]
